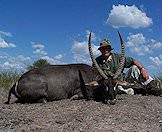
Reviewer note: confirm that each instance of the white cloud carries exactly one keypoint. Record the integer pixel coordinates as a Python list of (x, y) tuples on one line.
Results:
[(58, 57), (40, 52), (23, 59), (81, 53), (18, 63), (156, 64), (153, 44), (4, 44), (136, 40), (54, 60), (140, 45), (8, 34), (157, 61), (37, 46), (142, 50), (128, 16), (39, 49)]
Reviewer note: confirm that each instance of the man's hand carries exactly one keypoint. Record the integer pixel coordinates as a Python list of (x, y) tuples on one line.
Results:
[(144, 73)]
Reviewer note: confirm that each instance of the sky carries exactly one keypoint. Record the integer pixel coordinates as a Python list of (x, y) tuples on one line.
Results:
[(57, 30)]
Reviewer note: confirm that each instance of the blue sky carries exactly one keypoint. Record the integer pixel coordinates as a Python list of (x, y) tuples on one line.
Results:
[(57, 30)]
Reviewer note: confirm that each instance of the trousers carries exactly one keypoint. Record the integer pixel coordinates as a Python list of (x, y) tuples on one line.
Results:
[(134, 75)]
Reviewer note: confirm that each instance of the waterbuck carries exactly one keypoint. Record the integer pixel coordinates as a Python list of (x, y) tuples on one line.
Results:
[(56, 82)]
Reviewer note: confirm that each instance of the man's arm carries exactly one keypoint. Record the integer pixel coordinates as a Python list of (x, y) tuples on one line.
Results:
[(142, 69)]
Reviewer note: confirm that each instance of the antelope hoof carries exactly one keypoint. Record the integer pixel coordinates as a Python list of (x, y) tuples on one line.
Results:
[(7, 102)]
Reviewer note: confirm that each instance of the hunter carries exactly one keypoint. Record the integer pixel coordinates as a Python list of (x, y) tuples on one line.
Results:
[(109, 62)]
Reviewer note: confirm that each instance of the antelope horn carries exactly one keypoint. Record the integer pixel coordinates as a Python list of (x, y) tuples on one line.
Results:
[(93, 59), (122, 59)]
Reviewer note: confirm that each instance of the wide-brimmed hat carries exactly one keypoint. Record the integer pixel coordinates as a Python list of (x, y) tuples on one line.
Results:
[(105, 43)]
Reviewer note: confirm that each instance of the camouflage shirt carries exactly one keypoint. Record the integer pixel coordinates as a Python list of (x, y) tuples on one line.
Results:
[(112, 63)]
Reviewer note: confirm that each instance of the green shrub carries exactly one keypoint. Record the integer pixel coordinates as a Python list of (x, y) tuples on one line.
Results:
[(38, 64)]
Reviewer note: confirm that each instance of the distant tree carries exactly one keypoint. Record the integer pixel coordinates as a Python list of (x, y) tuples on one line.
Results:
[(39, 64)]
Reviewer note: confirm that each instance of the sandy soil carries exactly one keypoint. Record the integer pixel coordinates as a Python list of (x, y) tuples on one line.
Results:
[(129, 114)]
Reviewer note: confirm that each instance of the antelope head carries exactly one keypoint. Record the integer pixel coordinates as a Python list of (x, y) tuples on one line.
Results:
[(108, 83)]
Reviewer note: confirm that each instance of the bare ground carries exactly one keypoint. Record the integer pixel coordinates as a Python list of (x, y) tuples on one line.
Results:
[(129, 114)]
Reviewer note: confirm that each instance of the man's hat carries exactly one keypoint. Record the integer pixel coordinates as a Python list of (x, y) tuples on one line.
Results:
[(105, 43)]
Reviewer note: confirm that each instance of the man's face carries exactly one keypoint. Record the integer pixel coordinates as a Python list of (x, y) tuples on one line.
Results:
[(105, 51)]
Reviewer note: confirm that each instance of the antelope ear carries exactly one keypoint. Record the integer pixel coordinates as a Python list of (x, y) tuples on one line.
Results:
[(93, 83)]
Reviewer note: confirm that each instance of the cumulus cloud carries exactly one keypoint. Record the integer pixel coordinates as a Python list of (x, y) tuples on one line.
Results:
[(157, 61), (37, 46), (58, 59), (136, 40), (128, 16), (21, 62), (18, 63), (38, 49), (156, 64), (140, 45), (3, 42), (40, 52), (80, 50), (137, 44), (153, 44), (8, 34)]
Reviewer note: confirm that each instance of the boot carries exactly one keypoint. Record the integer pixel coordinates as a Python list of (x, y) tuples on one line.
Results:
[(153, 88)]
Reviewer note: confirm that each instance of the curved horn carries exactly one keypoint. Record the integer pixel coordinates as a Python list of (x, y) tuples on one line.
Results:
[(93, 59), (122, 59)]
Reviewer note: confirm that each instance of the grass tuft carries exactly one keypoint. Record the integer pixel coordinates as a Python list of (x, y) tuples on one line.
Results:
[(7, 79)]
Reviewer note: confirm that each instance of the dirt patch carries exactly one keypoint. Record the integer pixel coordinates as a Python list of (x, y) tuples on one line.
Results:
[(130, 113)]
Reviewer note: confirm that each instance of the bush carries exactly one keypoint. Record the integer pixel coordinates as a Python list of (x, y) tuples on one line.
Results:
[(38, 64)]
